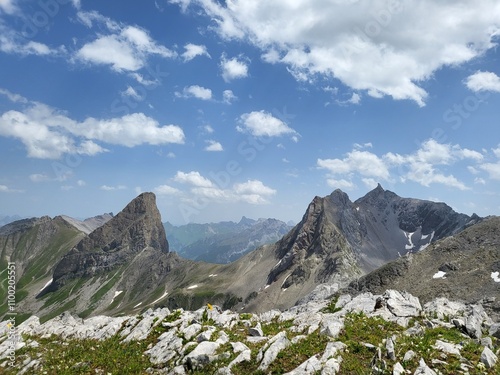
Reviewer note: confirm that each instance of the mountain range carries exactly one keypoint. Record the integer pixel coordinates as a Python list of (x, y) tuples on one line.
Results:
[(223, 242), (123, 264)]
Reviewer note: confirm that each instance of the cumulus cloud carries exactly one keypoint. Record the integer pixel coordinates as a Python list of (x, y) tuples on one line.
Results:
[(340, 184), (193, 178), (12, 42), (425, 166), (48, 133), (483, 81), (382, 48), (204, 190), (228, 96), (261, 123), (213, 146), (193, 50), (195, 91), (233, 68), (363, 162), (125, 48), (113, 188), (166, 190)]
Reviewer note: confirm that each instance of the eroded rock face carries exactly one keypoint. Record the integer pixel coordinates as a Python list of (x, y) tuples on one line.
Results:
[(136, 228)]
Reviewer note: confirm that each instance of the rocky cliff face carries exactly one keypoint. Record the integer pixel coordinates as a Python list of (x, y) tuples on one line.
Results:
[(339, 240), (463, 267), (135, 229)]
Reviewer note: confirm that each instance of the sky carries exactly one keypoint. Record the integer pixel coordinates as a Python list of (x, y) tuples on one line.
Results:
[(236, 107)]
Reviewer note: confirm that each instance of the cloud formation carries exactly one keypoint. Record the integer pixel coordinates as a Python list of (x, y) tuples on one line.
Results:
[(263, 124), (483, 81), (125, 48), (194, 50), (425, 166), (386, 48), (233, 68), (48, 133)]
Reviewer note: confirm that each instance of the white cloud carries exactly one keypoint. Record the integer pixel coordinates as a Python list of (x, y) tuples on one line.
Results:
[(483, 81), (208, 129), (113, 188), (6, 189), (13, 43), (166, 190), (143, 81), (171, 155), (253, 187), (126, 48), (8, 6), (479, 181), (422, 166), (233, 68), (81, 183), (213, 146), (15, 98), (261, 123), (203, 190), (340, 184), (132, 93), (363, 162), (193, 50), (383, 48), (195, 91), (493, 169), (496, 151), (193, 178), (48, 133), (228, 96)]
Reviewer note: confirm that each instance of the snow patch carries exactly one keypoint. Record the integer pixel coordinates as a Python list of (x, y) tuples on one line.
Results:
[(46, 285), (495, 276), (212, 275), (117, 293), (357, 208), (284, 281), (139, 304), (156, 300), (408, 237), (267, 286), (193, 286), (439, 275)]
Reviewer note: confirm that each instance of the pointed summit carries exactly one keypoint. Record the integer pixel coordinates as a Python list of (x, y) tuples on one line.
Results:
[(136, 228)]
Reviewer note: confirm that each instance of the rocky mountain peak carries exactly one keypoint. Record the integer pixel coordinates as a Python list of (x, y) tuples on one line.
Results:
[(136, 228)]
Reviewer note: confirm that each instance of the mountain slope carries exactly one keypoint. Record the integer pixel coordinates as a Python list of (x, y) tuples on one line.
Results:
[(463, 267), (88, 225), (337, 241), (34, 245)]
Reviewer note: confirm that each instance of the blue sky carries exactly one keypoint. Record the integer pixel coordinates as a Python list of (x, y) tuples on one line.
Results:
[(251, 108)]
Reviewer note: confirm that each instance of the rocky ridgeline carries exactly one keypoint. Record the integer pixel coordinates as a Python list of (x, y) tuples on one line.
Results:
[(382, 334)]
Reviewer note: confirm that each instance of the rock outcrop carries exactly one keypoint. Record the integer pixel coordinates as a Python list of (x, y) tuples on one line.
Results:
[(462, 267), (135, 229), (387, 333)]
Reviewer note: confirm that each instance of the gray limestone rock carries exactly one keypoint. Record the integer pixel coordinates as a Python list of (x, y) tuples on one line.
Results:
[(275, 345), (423, 369), (398, 369), (488, 358), (402, 304), (447, 347), (256, 331)]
